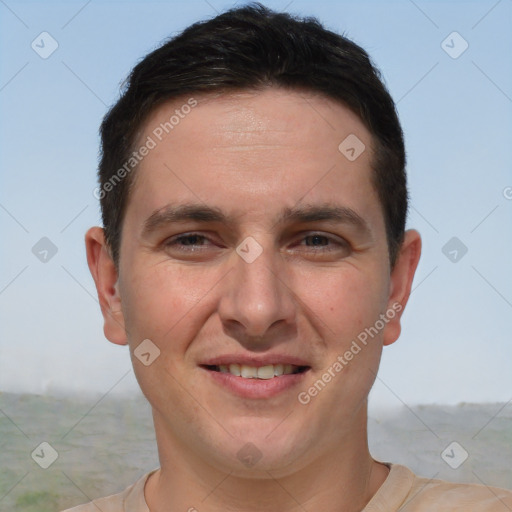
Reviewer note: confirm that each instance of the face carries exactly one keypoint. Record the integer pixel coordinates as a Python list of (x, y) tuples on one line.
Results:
[(252, 244)]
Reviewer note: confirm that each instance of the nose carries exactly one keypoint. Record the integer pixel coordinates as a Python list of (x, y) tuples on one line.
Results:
[(256, 298)]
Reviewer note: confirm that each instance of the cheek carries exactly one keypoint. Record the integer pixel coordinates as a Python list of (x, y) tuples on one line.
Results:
[(345, 300), (161, 300), (166, 305)]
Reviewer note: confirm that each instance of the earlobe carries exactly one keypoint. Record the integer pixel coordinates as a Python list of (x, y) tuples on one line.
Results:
[(402, 277), (104, 273)]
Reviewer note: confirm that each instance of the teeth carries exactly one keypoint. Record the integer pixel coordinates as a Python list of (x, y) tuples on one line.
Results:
[(266, 372), (278, 369), (252, 372), (234, 369), (248, 372)]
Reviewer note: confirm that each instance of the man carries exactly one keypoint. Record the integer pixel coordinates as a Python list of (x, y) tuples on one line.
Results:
[(254, 259)]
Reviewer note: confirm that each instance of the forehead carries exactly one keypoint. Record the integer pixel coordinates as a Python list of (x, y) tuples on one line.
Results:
[(254, 151), (272, 117)]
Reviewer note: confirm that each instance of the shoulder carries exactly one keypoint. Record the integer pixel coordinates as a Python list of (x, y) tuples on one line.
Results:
[(131, 499), (432, 494)]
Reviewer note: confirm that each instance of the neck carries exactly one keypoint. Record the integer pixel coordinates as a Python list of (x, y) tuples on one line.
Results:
[(342, 476)]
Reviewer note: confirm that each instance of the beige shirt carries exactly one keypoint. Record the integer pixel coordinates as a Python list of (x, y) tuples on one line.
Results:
[(402, 490)]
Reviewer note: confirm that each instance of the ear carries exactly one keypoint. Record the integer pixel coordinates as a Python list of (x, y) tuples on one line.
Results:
[(104, 273), (400, 285)]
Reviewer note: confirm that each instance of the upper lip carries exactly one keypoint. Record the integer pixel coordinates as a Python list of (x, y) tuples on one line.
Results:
[(252, 360)]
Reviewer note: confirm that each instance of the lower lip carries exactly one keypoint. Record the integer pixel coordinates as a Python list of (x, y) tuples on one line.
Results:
[(257, 388)]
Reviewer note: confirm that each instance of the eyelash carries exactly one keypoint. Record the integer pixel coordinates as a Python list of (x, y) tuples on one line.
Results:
[(325, 237), (174, 241)]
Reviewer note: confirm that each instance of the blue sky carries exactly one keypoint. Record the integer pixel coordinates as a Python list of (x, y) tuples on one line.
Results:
[(456, 114)]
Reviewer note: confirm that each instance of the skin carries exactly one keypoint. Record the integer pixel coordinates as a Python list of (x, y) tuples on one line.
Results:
[(251, 155)]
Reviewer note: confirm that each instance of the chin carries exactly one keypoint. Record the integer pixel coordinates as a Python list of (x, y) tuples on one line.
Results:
[(266, 446)]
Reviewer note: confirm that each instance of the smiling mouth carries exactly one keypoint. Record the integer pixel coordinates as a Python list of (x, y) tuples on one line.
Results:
[(266, 372)]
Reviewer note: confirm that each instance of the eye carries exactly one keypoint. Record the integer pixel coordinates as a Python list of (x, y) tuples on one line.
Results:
[(187, 242), (317, 240), (322, 241), (194, 246), (191, 239), (321, 246)]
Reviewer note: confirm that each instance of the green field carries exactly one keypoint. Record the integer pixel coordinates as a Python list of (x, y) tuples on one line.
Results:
[(104, 446)]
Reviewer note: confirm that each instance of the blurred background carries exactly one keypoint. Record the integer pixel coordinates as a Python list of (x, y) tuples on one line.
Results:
[(448, 66)]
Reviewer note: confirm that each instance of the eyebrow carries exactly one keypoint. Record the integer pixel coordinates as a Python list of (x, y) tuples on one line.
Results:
[(300, 214), (326, 212), (186, 212)]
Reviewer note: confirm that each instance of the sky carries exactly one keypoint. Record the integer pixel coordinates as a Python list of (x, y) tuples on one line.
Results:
[(446, 64)]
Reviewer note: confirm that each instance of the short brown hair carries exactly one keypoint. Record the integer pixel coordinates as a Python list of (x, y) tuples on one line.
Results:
[(252, 47)]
